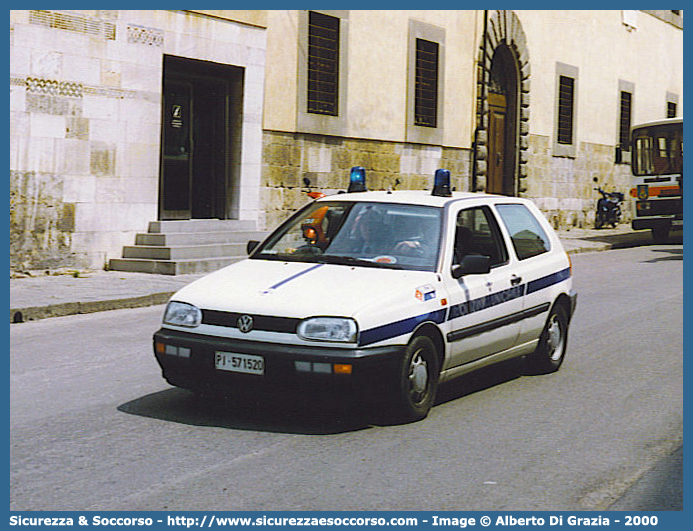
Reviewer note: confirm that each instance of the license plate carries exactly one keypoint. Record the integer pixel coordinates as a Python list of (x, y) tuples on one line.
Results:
[(245, 363)]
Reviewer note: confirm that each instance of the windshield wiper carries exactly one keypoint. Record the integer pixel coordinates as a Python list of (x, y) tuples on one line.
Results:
[(350, 260), (284, 257), (326, 259)]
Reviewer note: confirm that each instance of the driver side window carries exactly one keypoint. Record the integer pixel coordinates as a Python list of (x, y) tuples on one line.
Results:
[(477, 233)]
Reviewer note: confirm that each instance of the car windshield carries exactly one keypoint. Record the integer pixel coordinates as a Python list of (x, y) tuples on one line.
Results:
[(384, 235)]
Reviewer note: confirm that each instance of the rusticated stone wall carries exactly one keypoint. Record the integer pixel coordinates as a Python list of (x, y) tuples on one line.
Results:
[(41, 224), (563, 188), (289, 158)]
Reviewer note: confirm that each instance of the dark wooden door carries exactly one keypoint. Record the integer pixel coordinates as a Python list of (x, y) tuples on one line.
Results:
[(496, 144)]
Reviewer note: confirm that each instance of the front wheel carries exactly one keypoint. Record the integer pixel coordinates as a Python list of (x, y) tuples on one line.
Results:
[(599, 220), (417, 381), (552, 344)]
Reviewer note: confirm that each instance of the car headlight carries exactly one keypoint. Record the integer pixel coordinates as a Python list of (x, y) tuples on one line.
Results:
[(182, 314), (328, 329)]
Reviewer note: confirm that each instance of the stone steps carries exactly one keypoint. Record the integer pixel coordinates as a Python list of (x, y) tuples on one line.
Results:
[(183, 252), (197, 238), (171, 267), (201, 225), (187, 246)]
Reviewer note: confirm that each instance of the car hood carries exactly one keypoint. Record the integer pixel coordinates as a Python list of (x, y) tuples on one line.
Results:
[(295, 289)]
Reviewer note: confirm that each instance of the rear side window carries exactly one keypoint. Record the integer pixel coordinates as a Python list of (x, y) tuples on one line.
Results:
[(528, 238)]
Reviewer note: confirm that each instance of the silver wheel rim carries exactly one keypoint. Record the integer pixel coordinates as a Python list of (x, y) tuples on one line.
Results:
[(418, 376), (554, 339)]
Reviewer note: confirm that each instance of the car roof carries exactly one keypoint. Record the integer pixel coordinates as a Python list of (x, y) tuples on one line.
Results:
[(414, 197)]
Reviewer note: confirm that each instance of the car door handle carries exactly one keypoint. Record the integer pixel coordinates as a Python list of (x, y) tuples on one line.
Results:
[(515, 280)]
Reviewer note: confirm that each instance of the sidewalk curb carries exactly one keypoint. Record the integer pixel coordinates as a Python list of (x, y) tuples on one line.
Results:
[(35, 313), (601, 246)]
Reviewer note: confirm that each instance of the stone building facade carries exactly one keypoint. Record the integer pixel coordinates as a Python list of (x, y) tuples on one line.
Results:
[(123, 118), (517, 55)]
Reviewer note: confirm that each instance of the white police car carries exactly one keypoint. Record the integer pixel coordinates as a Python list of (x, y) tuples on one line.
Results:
[(388, 293)]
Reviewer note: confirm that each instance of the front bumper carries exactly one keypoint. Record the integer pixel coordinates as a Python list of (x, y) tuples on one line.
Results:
[(196, 371), (675, 222)]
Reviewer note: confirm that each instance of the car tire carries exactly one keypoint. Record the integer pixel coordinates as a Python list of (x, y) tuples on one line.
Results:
[(553, 342), (417, 381), (660, 235)]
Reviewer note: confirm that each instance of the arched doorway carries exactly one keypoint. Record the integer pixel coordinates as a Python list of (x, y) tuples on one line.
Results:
[(502, 138), (502, 123)]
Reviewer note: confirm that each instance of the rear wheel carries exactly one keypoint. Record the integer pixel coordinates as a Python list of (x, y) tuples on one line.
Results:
[(552, 344), (417, 381), (660, 235)]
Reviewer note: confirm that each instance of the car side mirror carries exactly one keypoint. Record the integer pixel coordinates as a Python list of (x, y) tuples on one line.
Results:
[(473, 264), (251, 245)]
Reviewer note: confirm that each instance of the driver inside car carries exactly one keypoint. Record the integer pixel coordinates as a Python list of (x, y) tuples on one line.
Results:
[(372, 234)]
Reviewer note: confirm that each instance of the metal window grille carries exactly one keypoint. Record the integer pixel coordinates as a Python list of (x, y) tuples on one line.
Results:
[(624, 122), (73, 22), (426, 84), (323, 64), (566, 89), (671, 109)]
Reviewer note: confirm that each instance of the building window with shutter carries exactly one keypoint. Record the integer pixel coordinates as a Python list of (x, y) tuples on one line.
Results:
[(671, 109), (672, 104), (425, 83), (566, 92), (624, 115), (565, 141), (624, 120), (426, 91), (323, 64)]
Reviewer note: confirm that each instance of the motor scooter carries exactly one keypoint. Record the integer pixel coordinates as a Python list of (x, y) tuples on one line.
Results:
[(608, 208)]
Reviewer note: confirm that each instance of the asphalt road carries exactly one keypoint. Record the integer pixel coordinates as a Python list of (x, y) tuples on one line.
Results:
[(94, 427)]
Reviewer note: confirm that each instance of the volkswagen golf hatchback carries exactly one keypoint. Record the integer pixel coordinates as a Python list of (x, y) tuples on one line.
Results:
[(384, 293)]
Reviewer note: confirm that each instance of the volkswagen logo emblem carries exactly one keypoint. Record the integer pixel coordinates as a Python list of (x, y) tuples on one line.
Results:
[(245, 323)]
